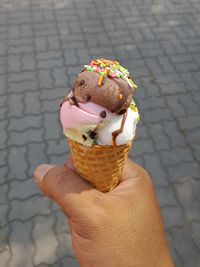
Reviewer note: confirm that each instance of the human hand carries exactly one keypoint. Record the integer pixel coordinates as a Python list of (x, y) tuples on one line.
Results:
[(121, 228)]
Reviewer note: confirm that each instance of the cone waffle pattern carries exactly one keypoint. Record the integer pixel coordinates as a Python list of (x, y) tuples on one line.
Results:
[(100, 165)]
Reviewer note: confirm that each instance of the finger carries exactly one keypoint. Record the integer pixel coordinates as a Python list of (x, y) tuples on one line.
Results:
[(131, 170), (40, 172), (63, 185), (70, 164)]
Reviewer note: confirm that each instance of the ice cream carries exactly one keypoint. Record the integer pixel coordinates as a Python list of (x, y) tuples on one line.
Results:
[(99, 112)]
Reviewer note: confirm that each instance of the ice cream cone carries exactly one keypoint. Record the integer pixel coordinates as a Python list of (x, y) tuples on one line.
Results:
[(100, 165)]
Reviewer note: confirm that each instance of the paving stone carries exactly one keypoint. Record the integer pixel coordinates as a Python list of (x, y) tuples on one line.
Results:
[(148, 34), (14, 63), (25, 137), (189, 105), (152, 52), (175, 256), (157, 115), (31, 102), (50, 63), (58, 92), (61, 222), (49, 55), (27, 208), (177, 173), (191, 123), (70, 57), (53, 43), (55, 131), (3, 69), (15, 105), (3, 60), (183, 58), (161, 140), (185, 247), (83, 55), (192, 66), (165, 64), (17, 42), (153, 65), (36, 156), (22, 86), (20, 49), (153, 90), (26, 30), (57, 146), (158, 173), (3, 212), (166, 197), (142, 146), (2, 113), (28, 62), (3, 172), (173, 216), (20, 241), (60, 77), (196, 151), (17, 163), (173, 88), (190, 81), (4, 238), (142, 131), (176, 156), (45, 79), (176, 106), (41, 43), (193, 137), (174, 134), (43, 227), (3, 193), (69, 262), (195, 229), (167, 78), (185, 192), (51, 106), (3, 157), (2, 48), (59, 159), (2, 84), (152, 102), (3, 136), (45, 29), (17, 189), (20, 124), (65, 246), (5, 257)]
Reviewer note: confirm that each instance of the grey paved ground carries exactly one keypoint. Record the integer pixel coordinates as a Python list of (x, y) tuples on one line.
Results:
[(41, 40)]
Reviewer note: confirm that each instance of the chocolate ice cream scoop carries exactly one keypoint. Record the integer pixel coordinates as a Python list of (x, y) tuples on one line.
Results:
[(105, 83)]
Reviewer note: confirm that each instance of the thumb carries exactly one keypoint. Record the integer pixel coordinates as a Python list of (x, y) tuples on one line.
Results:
[(65, 187)]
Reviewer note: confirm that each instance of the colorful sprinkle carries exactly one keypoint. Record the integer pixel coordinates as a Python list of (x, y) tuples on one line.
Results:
[(109, 68), (133, 106), (120, 96), (100, 80)]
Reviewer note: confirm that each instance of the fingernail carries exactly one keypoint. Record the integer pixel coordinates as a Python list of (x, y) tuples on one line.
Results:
[(41, 171)]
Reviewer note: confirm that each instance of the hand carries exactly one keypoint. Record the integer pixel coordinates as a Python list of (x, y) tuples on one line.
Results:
[(122, 228)]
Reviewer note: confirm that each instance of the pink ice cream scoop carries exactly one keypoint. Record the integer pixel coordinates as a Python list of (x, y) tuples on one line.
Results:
[(73, 117)]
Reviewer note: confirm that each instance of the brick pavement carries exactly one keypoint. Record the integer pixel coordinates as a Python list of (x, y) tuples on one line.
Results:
[(43, 43)]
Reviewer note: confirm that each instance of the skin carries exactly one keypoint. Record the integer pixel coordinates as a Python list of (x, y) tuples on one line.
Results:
[(120, 228)]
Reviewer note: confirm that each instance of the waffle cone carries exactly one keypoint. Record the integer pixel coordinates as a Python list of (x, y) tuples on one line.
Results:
[(100, 165)]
